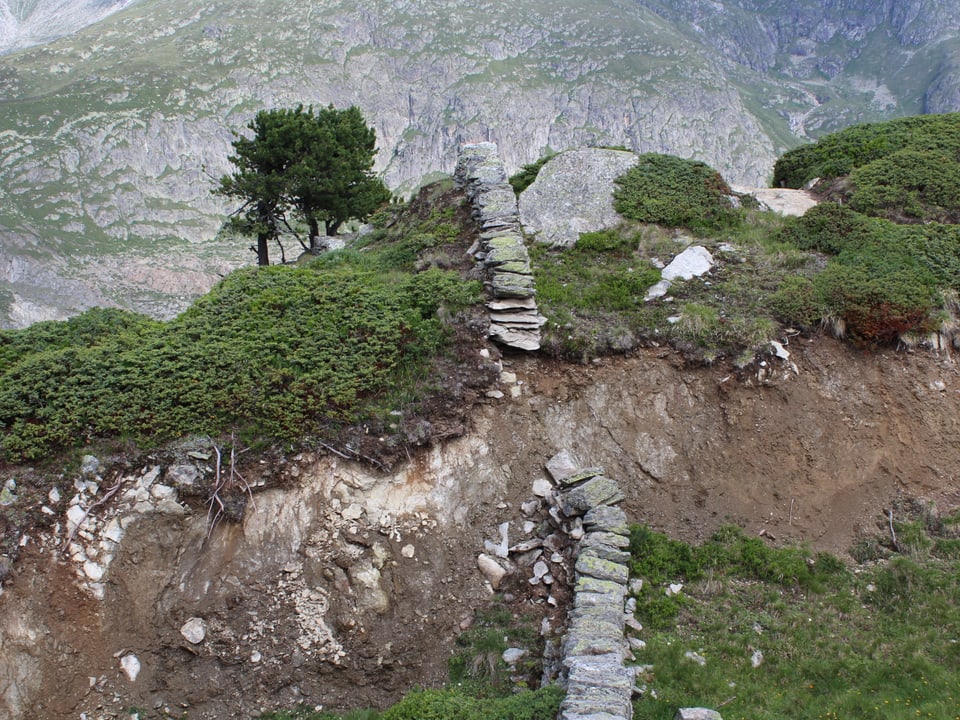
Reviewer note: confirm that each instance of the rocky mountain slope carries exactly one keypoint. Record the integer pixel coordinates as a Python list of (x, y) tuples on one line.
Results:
[(112, 136)]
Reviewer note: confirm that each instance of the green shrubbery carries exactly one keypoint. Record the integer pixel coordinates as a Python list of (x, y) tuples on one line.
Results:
[(840, 153), (282, 353), (671, 191), (882, 280)]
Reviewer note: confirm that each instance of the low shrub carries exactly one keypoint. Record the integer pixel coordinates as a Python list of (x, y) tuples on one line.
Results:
[(283, 351), (671, 191), (908, 186), (840, 153), (797, 302)]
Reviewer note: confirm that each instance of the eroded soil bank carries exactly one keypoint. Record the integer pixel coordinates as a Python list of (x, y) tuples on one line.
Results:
[(345, 588)]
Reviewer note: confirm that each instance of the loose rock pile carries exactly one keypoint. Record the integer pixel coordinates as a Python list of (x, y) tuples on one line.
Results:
[(514, 319)]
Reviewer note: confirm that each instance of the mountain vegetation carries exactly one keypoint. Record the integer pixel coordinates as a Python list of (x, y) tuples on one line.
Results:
[(316, 165), (114, 134), (358, 338), (890, 232)]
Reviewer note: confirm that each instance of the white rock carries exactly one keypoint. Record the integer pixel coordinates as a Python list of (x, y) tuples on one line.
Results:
[(779, 350), (515, 391), (697, 714), (75, 516), (194, 630), (93, 571), (149, 477), (54, 495), (636, 643), (542, 487), (695, 657), (255, 656), (636, 586), (693, 262), (529, 526), (131, 666), (562, 465), (162, 491), (408, 551), (353, 511), (493, 571), (508, 378), (529, 507), (540, 571), (46, 511), (512, 655), (673, 589), (113, 532)]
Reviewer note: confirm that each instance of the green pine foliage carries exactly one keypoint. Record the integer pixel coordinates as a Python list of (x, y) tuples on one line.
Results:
[(839, 153), (671, 191)]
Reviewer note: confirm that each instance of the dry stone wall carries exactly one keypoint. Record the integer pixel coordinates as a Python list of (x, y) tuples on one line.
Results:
[(599, 686), (514, 319)]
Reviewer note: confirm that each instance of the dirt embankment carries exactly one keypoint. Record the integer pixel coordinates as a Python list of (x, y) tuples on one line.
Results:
[(346, 588)]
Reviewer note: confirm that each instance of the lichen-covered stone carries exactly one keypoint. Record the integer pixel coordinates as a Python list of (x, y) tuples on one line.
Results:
[(599, 490), (580, 476), (602, 569), (607, 518)]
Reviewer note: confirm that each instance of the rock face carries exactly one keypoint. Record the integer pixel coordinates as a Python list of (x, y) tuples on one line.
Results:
[(514, 319), (573, 194)]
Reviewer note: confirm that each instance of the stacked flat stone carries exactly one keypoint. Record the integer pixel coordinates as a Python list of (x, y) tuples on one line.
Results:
[(514, 319), (598, 685)]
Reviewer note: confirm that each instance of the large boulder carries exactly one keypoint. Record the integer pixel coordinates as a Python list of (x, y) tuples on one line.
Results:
[(573, 194)]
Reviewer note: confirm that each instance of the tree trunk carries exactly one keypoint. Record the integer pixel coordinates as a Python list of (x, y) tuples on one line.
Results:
[(264, 233), (263, 256), (314, 233), (333, 226)]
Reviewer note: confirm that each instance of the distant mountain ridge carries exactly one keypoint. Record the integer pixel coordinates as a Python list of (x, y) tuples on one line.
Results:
[(111, 137), (24, 23)]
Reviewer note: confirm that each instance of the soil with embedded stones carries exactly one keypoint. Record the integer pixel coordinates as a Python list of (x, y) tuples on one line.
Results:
[(814, 452)]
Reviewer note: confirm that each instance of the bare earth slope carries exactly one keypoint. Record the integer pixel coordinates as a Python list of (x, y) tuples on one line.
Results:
[(813, 455)]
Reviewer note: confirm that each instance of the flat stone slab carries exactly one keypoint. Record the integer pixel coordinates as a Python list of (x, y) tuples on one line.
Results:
[(515, 337), (606, 552), (616, 592), (607, 518), (512, 304), (579, 476), (602, 569), (599, 537), (598, 490)]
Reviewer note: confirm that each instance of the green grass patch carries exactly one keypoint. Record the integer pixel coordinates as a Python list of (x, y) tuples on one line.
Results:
[(877, 643)]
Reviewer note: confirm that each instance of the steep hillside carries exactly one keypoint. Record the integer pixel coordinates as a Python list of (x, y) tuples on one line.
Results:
[(112, 136)]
